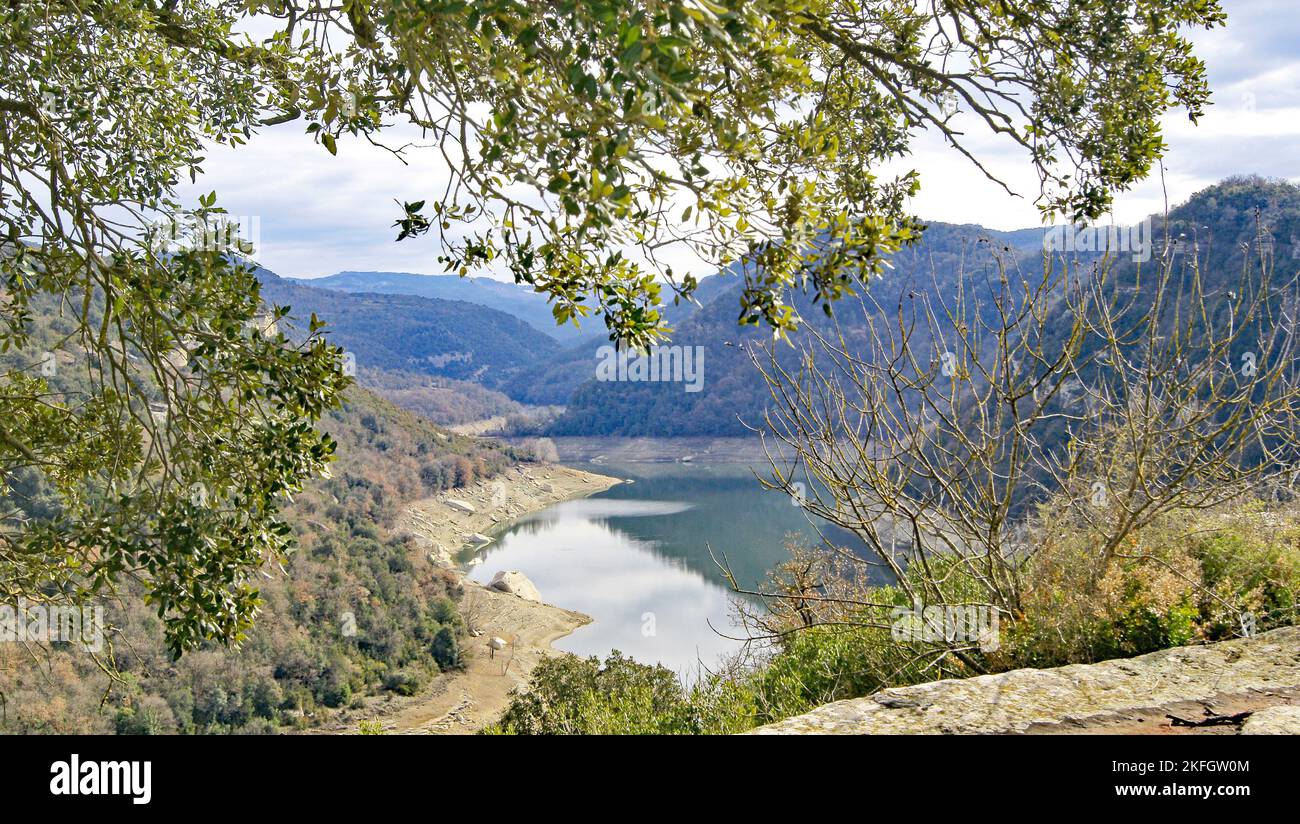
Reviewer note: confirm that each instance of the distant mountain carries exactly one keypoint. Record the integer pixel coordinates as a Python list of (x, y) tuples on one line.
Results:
[(553, 381), (949, 258), (531, 307), (445, 338), (520, 301)]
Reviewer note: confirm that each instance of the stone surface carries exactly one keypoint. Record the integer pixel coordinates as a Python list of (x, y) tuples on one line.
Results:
[(1014, 702), (1283, 720), (516, 584), (460, 506)]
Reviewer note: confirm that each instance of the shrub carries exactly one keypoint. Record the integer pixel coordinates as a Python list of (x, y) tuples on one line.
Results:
[(404, 682), (446, 649)]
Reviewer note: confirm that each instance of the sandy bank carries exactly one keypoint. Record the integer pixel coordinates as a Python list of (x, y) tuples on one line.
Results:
[(466, 701), (447, 523)]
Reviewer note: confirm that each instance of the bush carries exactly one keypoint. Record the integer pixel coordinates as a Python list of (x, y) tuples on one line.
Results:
[(446, 649), (569, 695), (404, 682), (149, 716)]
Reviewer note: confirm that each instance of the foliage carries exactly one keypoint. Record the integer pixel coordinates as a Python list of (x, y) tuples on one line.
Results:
[(760, 127), (1188, 578), (568, 695), (168, 466), (168, 453), (575, 128), (354, 570)]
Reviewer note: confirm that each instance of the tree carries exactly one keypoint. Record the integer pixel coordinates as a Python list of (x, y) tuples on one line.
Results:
[(446, 649), (145, 397), (584, 140), (751, 133), (960, 435)]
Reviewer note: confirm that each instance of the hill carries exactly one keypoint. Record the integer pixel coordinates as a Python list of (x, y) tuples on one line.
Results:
[(733, 395), (358, 609), (555, 380), (447, 338), (1218, 222), (519, 301)]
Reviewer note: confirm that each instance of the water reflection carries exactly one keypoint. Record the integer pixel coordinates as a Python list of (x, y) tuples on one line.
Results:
[(645, 602), (639, 558)]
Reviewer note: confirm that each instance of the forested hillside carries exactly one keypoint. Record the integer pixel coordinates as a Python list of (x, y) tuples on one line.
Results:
[(447, 338), (555, 380), (734, 394), (1218, 223), (357, 608)]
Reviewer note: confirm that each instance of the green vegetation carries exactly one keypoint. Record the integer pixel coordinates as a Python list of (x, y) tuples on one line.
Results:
[(1188, 578), (570, 129), (356, 610)]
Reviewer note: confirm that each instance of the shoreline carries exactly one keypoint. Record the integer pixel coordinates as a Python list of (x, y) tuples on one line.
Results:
[(447, 524), (464, 701), (601, 449)]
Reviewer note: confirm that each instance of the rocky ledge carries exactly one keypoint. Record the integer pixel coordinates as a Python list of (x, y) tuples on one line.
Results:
[(1250, 685)]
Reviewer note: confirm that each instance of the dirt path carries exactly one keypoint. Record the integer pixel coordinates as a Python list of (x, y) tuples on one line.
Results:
[(469, 700)]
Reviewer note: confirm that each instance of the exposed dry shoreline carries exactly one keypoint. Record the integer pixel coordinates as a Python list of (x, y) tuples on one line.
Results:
[(466, 701), (446, 524)]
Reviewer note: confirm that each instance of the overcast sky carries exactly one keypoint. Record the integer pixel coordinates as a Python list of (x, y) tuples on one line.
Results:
[(318, 214)]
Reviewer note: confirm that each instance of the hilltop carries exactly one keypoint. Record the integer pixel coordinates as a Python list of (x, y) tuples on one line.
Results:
[(1218, 223)]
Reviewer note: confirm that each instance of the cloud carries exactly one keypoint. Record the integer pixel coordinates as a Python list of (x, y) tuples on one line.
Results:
[(321, 214)]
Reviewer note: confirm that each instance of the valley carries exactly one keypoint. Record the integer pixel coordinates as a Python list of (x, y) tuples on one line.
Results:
[(617, 369)]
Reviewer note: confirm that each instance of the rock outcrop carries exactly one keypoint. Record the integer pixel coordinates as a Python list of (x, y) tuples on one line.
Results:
[(1284, 720), (516, 584), (1249, 684)]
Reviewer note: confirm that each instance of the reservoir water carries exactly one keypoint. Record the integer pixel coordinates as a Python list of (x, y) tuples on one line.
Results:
[(636, 558)]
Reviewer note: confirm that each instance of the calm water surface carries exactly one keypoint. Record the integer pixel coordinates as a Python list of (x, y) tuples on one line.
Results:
[(637, 558)]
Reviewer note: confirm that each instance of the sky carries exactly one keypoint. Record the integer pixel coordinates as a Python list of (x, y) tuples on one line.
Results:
[(314, 214)]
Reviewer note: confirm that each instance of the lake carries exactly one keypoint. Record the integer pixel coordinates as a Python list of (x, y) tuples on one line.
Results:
[(636, 558)]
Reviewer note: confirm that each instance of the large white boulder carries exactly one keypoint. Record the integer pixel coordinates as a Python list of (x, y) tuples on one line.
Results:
[(516, 584), (460, 506)]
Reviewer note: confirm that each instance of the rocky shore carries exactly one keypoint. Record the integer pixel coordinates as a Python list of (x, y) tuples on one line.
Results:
[(448, 523)]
